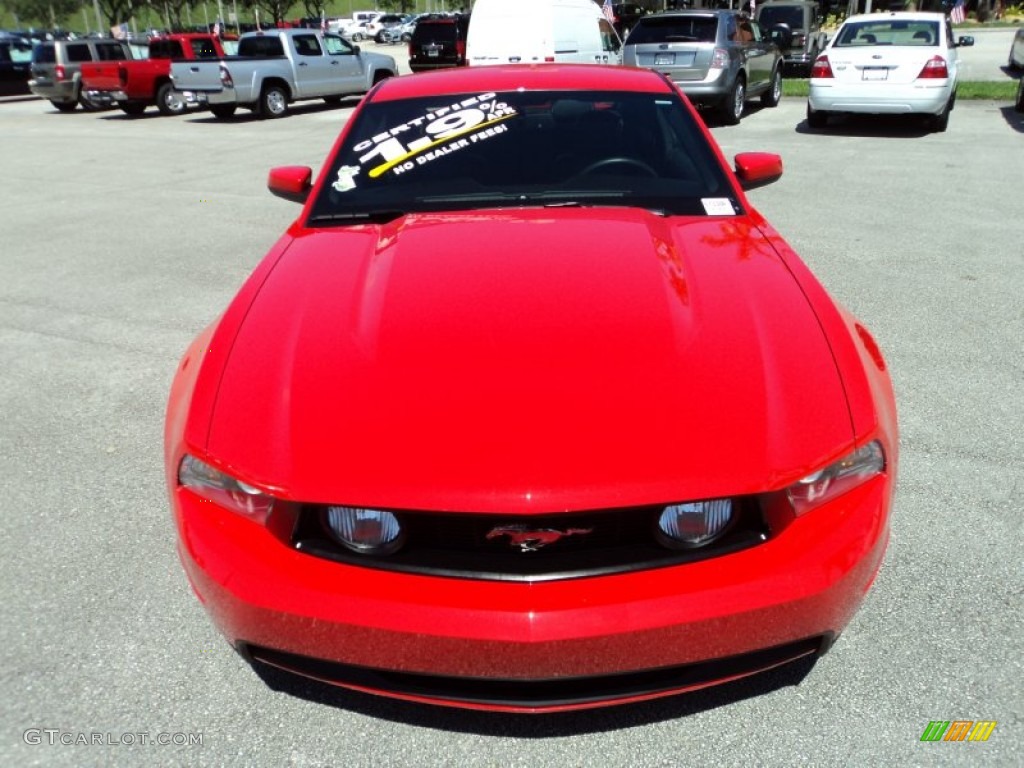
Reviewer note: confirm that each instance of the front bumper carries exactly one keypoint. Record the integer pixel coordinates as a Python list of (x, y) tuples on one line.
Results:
[(880, 98), (562, 640)]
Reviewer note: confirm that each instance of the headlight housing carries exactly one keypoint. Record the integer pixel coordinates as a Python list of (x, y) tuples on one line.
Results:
[(836, 479), (224, 490)]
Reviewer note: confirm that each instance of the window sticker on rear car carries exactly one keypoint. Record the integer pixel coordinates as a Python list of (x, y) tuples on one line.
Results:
[(718, 206), (437, 133)]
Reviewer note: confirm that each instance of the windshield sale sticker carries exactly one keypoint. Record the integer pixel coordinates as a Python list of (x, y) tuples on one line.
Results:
[(443, 130)]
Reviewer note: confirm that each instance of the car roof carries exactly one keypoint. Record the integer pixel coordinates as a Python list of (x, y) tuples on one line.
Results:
[(584, 77), (897, 15)]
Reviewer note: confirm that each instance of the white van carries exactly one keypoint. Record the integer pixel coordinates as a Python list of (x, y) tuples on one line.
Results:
[(540, 31)]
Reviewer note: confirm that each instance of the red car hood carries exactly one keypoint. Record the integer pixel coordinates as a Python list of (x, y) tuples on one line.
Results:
[(529, 362)]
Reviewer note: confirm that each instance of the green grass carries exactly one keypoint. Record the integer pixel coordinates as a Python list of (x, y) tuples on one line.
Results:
[(997, 90)]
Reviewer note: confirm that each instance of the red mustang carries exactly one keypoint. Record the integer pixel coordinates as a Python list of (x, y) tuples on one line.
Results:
[(530, 410)]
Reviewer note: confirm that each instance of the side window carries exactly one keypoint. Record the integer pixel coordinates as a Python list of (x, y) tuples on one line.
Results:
[(336, 46), (111, 52), (203, 49), (731, 31), (745, 32), (758, 32), (609, 39), (307, 45), (79, 53)]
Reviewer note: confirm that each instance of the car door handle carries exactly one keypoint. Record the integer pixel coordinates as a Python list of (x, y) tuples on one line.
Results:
[(303, 64)]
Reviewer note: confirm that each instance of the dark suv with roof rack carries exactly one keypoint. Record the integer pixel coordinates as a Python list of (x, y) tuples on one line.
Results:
[(438, 42)]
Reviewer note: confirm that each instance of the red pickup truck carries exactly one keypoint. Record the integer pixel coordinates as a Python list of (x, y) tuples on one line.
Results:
[(136, 84)]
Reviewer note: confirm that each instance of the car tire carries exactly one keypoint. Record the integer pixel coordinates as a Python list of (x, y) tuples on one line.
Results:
[(169, 101), (273, 102), (816, 118), (132, 108), (223, 111), (1019, 104), (65, 106), (773, 95), (731, 108)]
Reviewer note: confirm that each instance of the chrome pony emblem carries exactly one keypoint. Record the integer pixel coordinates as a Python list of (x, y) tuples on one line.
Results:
[(532, 539)]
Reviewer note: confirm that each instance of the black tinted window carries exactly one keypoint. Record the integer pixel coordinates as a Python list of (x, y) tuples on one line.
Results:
[(44, 53), (791, 16), (674, 29), (78, 52), (266, 47), (111, 52), (435, 32), (165, 49)]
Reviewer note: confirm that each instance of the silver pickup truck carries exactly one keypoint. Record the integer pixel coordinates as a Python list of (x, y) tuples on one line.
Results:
[(275, 68)]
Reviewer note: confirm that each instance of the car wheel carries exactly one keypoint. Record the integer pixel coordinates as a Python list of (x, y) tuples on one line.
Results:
[(222, 111), (773, 95), (133, 108), (406, 38), (273, 102), (816, 118), (1019, 105), (731, 108), (65, 106), (169, 101)]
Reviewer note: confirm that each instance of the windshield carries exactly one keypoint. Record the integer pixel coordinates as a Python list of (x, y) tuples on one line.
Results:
[(522, 148), (884, 32), (674, 29)]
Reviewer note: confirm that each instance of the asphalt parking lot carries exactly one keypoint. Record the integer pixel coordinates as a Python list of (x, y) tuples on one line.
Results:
[(123, 237)]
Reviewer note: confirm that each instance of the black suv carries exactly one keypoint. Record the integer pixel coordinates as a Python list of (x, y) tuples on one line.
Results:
[(796, 27), (438, 42), (15, 65)]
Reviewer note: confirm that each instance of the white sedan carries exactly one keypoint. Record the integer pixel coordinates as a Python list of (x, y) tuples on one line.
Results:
[(891, 64)]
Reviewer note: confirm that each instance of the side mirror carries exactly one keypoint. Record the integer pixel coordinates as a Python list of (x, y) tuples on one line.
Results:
[(756, 169), (356, 49), (292, 182), (965, 41)]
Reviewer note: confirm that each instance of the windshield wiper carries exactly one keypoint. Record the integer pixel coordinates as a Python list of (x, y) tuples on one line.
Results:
[(358, 217)]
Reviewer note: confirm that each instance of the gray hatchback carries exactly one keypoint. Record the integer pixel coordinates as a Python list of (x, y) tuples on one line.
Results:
[(718, 59)]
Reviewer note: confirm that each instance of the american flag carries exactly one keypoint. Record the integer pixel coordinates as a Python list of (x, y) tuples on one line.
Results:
[(958, 13), (608, 11)]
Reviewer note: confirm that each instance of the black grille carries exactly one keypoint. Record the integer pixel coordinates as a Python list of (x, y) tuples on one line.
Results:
[(479, 546), (541, 693)]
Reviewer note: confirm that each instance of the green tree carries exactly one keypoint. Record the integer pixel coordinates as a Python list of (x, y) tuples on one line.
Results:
[(271, 11), (41, 13)]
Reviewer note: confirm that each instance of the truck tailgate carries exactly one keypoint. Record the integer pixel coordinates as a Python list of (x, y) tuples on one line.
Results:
[(101, 76), (196, 75)]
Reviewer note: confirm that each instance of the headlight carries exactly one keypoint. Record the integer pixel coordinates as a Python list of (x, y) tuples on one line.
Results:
[(224, 490), (694, 524), (838, 478), (366, 531)]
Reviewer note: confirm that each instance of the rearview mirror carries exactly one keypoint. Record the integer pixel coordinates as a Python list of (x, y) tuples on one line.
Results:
[(756, 169), (292, 182)]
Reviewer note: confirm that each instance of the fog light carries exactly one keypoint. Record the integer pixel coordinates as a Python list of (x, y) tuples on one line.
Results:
[(366, 531), (694, 524)]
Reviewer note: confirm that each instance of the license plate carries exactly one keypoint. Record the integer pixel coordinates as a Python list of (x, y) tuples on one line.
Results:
[(432, 53), (875, 73), (664, 59)]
